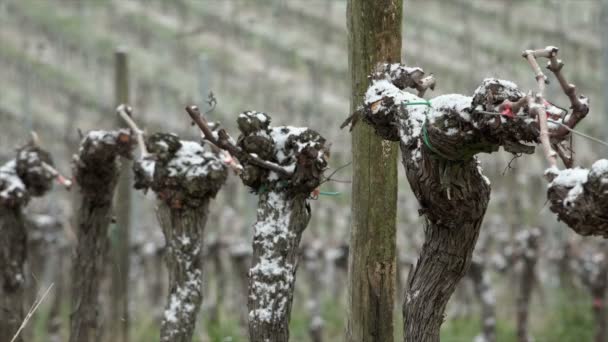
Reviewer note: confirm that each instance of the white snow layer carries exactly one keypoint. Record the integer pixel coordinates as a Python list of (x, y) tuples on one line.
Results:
[(272, 277), (10, 181), (193, 161), (419, 112), (572, 178)]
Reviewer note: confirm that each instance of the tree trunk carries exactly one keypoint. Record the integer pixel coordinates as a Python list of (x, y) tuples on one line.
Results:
[(374, 36), (185, 177), (281, 220), (94, 217), (183, 230), (96, 173), (453, 196), (13, 251)]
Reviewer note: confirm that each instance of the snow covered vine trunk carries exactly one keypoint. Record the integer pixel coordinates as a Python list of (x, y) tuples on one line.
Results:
[(276, 236), (183, 230), (439, 140), (20, 179), (96, 173), (185, 178), (283, 165), (484, 292)]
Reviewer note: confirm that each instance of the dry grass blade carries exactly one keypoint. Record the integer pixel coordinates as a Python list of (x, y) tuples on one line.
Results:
[(31, 312)]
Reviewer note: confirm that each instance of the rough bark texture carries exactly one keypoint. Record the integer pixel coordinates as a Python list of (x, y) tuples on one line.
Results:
[(439, 140), (12, 258), (579, 197), (484, 292), (374, 36), (96, 173), (20, 179), (280, 223), (185, 177), (452, 225), (283, 214), (183, 230)]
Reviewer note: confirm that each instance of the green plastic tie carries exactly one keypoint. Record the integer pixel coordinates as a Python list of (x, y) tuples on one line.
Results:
[(329, 193), (425, 133), (426, 103), (427, 143)]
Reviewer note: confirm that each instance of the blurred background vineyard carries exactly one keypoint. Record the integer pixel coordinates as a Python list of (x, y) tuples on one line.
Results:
[(289, 58)]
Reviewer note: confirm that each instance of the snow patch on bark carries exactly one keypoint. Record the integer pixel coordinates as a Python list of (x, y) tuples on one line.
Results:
[(570, 178), (271, 276), (10, 183)]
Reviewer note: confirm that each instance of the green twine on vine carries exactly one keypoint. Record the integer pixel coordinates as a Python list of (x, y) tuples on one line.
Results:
[(426, 103), (329, 193), (427, 142), (425, 133)]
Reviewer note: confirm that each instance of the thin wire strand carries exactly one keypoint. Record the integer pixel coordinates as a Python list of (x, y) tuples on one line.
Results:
[(559, 123)]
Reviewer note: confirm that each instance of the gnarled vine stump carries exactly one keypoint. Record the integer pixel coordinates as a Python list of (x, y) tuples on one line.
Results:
[(185, 177), (20, 179), (96, 173), (283, 214), (439, 140)]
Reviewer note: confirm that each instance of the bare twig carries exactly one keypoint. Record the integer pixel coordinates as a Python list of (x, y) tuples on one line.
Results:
[(537, 109), (536, 104), (568, 159), (30, 313), (224, 143), (35, 140), (328, 178), (579, 104), (60, 178), (424, 84), (124, 111)]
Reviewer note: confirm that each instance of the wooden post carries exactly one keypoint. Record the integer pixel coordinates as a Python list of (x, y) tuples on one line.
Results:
[(122, 210), (374, 36), (603, 28)]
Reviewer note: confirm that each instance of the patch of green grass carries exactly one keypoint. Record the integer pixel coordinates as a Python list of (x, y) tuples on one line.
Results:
[(568, 318), (226, 329)]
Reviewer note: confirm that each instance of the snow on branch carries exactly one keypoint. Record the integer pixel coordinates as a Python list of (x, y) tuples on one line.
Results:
[(29, 174), (96, 163), (579, 197), (180, 172), (271, 156)]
